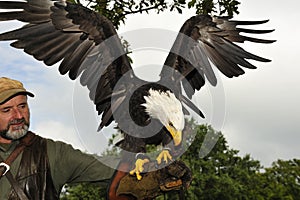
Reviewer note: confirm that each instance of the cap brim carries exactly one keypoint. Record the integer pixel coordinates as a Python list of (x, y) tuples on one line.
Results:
[(6, 95)]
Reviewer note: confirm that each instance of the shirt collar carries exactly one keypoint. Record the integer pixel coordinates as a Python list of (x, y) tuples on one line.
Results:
[(8, 147)]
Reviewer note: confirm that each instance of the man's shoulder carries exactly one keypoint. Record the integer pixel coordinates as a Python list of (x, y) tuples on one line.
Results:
[(59, 145), (55, 145)]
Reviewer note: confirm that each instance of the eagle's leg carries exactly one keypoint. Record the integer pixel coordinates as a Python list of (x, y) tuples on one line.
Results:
[(164, 156), (139, 167)]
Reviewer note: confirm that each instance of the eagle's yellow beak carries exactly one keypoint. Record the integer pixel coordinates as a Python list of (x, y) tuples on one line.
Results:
[(177, 135)]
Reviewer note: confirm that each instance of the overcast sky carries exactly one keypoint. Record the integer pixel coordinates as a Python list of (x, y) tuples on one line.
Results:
[(258, 112)]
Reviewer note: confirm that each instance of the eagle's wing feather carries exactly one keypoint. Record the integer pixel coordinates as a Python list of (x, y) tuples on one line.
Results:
[(85, 43), (204, 39)]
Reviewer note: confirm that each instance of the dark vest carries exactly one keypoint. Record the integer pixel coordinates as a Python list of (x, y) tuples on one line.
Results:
[(34, 173)]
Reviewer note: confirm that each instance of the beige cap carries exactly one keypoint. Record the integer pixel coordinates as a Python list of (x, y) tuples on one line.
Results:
[(10, 88)]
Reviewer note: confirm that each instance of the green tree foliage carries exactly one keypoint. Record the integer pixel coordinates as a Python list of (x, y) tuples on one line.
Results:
[(84, 191), (282, 180), (117, 10)]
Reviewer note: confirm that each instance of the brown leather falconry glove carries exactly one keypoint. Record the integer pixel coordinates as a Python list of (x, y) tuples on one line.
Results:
[(156, 182)]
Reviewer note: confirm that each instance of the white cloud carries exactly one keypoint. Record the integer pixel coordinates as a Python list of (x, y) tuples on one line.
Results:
[(58, 131)]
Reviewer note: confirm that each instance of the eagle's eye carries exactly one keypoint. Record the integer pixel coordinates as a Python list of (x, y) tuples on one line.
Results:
[(171, 124)]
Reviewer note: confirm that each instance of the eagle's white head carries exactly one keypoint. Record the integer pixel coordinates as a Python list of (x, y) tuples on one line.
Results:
[(165, 107)]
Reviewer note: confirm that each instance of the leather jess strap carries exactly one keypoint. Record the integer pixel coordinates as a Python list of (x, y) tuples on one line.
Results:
[(5, 165), (27, 140)]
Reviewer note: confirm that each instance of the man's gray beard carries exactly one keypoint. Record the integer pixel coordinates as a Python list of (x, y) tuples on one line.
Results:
[(14, 134), (17, 134)]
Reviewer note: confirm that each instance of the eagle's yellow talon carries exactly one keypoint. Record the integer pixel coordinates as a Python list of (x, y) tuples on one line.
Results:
[(139, 167), (132, 172), (164, 155)]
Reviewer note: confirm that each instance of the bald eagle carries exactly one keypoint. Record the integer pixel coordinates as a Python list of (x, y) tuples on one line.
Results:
[(87, 46)]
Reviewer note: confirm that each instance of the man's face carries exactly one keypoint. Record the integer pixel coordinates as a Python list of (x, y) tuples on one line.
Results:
[(14, 118)]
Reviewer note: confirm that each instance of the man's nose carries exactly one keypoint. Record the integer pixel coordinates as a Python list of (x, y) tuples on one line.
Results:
[(17, 114)]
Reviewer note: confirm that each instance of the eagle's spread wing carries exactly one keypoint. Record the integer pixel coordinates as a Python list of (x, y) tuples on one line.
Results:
[(87, 44), (203, 39), (84, 42)]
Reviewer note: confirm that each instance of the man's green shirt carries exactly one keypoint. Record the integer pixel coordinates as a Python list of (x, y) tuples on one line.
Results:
[(67, 165)]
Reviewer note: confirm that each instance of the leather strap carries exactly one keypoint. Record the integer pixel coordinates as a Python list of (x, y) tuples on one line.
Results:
[(27, 140), (17, 188), (118, 175)]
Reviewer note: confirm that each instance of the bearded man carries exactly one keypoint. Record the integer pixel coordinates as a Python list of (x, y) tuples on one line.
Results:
[(43, 166)]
